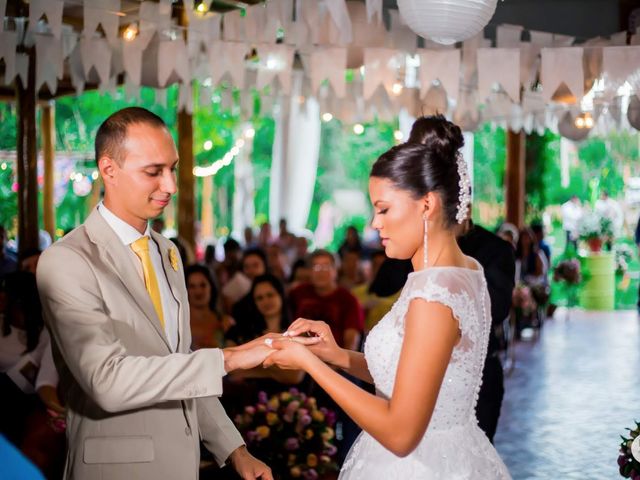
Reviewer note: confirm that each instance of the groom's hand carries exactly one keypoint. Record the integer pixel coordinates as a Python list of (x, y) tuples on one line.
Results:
[(248, 466), (245, 358)]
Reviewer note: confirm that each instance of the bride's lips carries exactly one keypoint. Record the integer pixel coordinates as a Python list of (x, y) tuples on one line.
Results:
[(384, 242)]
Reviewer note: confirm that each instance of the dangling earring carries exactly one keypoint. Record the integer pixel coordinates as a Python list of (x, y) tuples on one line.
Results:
[(424, 244)]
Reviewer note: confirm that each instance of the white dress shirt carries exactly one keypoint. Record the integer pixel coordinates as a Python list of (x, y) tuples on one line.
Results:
[(128, 235)]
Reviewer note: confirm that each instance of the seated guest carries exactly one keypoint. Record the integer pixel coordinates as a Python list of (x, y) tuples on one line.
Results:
[(323, 299), (28, 378), (300, 273), (351, 242), (208, 324), (278, 262), (351, 273), (252, 265), (272, 316)]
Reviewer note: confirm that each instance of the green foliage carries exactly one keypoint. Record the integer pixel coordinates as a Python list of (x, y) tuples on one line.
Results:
[(8, 126), (345, 162), (489, 163)]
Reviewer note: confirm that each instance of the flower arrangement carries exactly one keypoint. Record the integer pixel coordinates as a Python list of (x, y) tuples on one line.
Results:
[(567, 271), (595, 229), (291, 434), (522, 300), (628, 463), (624, 254)]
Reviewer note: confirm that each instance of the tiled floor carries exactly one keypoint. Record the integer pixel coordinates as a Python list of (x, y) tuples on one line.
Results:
[(572, 392)]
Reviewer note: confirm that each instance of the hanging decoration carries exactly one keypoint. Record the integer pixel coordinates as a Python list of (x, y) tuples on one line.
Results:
[(447, 21)]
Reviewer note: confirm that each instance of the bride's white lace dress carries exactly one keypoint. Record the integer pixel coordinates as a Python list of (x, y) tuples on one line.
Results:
[(453, 446)]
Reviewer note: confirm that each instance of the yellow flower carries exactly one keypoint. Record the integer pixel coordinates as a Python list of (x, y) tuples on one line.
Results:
[(312, 460), (317, 415), (263, 432), (285, 396), (327, 434), (272, 418), (173, 258), (308, 434), (274, 403), (325, 459), (295, 472), (292, 459)]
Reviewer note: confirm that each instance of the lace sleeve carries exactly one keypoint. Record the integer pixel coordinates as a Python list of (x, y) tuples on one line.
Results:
[(453, 290)]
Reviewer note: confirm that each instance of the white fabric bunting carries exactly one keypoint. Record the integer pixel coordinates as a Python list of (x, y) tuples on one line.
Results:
[(173, 57), (401, 37), (49, 67), (154, 17), (340, 16), (227, 57), (374, 7), (132, 60), (562, 65), (381, 67), (276, 61), (508, 36), (105, 13), (52, 9), (328, 64), (442, 65), (499, 65), (95, 52), (620, 64)]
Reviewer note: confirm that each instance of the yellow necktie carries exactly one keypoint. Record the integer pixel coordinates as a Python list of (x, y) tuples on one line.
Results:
[(141, 248)]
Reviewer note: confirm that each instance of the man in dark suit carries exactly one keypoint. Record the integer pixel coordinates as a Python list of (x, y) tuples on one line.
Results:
[(497, 258)]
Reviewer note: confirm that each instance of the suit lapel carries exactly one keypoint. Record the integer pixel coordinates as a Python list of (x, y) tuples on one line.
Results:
[(174, 278), (116, 255)]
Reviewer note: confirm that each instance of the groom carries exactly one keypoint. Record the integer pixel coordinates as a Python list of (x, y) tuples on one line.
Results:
[(115, 301)]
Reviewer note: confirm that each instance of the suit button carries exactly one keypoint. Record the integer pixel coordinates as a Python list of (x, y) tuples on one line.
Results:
[(187, 431)]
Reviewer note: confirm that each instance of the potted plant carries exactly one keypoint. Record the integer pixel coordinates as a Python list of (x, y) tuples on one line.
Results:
[(595, 230)]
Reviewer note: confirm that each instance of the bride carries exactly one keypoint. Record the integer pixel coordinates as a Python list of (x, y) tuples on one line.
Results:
[(426, 355)]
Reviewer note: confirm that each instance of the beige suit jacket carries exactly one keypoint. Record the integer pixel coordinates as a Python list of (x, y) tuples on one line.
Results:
[(135, 409)]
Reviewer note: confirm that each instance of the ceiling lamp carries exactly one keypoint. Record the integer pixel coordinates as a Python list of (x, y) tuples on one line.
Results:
[(447, 21)]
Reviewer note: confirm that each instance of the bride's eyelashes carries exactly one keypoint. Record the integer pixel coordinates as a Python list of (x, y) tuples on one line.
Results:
[(383, 211)]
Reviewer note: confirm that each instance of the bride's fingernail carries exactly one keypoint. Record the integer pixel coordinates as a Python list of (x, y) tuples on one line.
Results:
[(285, 334)]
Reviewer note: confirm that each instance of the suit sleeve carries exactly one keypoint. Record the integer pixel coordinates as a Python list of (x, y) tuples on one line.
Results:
[(218, 433), (113, 377), (500, 275)]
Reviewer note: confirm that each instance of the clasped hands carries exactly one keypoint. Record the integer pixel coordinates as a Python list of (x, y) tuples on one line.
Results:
[(304, 342)]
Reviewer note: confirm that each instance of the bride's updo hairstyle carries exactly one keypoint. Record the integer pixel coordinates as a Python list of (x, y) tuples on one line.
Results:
[(427, 162)]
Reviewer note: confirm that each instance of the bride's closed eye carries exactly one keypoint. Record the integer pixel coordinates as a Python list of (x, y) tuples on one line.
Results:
[(383, 211)]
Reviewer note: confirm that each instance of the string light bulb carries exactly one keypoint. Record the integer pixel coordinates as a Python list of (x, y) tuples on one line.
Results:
[(327, 117), (131, 32), (398, 135), (396, 88), (202, 7), (358, 129)]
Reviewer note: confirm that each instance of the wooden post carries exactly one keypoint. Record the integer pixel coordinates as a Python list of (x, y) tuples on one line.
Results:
[(48, 128), (186, 197), (186, 184), (26, 161), (514, 178)]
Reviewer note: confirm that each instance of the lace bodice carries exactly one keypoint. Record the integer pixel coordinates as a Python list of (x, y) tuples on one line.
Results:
[(465, 292), (453, 447)]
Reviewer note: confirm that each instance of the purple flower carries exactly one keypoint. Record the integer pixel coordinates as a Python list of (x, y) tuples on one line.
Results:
[(291, 444), (294, 391), (252, 435), (622, 461), (304, 420), (324, 410), (330, 449), (310, 474), (292, 407), (330, 418), (262, 397)]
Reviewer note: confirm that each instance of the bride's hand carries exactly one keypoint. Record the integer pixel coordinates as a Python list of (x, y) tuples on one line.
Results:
[(321, 341), (288, 354)]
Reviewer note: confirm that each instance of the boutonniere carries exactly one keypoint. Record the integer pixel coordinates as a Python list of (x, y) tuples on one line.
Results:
[(173, 258)]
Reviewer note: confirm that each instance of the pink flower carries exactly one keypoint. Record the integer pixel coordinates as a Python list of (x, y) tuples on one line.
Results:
[(250, 410), (262, 397), (310, 474), (291, 444), (304, 420)]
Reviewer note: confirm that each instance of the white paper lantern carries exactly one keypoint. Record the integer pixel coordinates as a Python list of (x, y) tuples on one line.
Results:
[(447, 21)]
